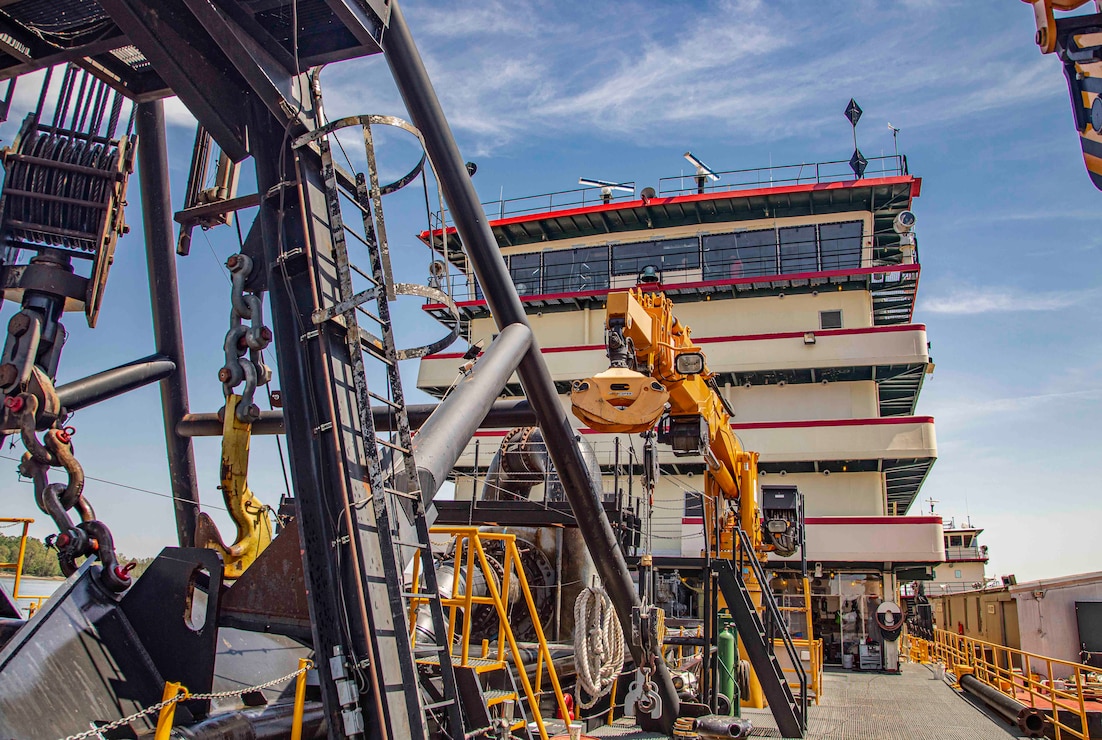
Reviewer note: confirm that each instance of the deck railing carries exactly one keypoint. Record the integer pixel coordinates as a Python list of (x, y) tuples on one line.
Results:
[(1028, 678), (792, 174), (16, 567)]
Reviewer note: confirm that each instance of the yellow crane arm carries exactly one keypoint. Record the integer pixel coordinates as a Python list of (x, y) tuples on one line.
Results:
[(655, 364)]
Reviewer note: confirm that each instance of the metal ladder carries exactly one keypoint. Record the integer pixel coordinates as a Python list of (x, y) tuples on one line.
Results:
[(387, 596), (789, 711)]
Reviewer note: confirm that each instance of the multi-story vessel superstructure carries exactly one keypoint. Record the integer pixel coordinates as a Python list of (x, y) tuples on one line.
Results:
[(802, 294)]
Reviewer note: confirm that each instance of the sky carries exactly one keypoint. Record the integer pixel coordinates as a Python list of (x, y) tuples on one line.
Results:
[(540, 93)]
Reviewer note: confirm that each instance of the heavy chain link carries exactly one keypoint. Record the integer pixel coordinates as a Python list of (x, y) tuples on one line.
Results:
[(182, 696), (245, 339)]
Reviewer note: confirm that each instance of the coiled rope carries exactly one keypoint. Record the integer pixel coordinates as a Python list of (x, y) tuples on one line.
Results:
[(598, 644)]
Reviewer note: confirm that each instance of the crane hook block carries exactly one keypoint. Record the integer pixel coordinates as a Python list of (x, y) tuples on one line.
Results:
[(619, 400)]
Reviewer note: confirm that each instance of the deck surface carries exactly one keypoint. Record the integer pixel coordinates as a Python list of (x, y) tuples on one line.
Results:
[(914, 705)]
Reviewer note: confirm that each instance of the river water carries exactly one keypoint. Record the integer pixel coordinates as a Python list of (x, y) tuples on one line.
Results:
[(30, 586)]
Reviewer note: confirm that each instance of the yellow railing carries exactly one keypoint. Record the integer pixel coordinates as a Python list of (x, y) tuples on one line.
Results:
[(814, 671), (469, 554), (1026, 677), (17, 566)]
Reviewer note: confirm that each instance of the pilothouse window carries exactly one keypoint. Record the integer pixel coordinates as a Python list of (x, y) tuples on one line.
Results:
[(670, 255), (567, 270)]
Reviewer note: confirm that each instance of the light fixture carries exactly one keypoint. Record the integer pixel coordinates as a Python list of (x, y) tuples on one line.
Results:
[(809, 337), (649, 275), (826, 471), (746, 385), (783, 473), (689, 363), (474, 350)]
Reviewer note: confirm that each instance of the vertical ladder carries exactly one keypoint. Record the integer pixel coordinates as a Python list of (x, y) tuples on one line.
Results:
[(789, 711), (406, 708)]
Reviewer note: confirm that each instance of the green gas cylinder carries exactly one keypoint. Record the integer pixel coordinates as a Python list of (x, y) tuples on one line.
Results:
[(728, 664)]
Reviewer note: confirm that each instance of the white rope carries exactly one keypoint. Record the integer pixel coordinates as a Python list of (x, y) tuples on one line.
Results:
[(598, 644)]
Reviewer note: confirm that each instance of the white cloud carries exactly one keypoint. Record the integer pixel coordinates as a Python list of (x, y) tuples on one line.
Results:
[(966, 301)]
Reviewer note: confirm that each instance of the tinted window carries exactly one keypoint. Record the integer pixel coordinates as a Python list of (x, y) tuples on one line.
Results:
[(525, 271), (799, 252), (840, 245), (667, 255), (567, 270), (745, 254)]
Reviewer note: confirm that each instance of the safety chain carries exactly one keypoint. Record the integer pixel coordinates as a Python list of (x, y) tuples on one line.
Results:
[(242, 339), (55, 450), (183, 696)]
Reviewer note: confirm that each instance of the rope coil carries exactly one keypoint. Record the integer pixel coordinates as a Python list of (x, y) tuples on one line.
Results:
[(598, 644)]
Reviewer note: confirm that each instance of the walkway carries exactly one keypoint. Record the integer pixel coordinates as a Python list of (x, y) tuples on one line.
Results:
[(915, 705)]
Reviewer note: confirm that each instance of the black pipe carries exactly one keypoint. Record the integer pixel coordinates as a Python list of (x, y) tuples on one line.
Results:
[(267, 723), (1028, 719), (165, 299), (502, 415), (720, 726), (114, 382), (583, 492)]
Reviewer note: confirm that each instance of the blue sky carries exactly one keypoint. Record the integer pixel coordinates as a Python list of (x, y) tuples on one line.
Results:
[(539, 93)]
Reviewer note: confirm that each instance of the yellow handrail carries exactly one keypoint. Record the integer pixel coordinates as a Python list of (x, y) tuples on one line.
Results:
[(1011, 671), (17, 566), (467, 554)]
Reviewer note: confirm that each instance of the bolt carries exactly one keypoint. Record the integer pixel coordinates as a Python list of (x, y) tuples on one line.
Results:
[(9, 373), (224, 375), (19, 325), (242, 342), (232, 261), (266, 334), (14, 404), (63, 539)]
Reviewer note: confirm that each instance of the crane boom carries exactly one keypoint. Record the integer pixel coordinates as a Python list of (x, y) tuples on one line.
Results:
[(657, 375)]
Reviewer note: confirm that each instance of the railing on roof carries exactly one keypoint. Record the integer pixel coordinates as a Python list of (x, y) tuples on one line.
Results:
[(760, 177), (793, 174), (965, 553)]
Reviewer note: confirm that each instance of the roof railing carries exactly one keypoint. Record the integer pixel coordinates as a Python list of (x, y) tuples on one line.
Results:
[(894, 165)]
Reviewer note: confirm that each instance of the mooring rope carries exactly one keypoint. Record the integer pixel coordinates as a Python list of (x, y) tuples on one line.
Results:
[(598, 644)]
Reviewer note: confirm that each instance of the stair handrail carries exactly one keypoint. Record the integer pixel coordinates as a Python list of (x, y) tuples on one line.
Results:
[(746, 553)]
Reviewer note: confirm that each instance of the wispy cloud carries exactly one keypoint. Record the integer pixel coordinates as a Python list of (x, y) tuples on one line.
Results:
[(746, 71), (953, 413), (967, 301)]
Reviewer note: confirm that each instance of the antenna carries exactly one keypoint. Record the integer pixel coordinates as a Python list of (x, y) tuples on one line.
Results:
[(703, 171), (895, 137), (931, 501), (606, 187)]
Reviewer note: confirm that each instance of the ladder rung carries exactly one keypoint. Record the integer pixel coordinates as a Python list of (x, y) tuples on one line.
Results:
[(437, 705), (423, 595), (412, 496), (418, 545), (382, 399), (373, 317), (391, 445)]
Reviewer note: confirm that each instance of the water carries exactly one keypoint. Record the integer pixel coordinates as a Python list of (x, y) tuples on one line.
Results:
[(30, 586)]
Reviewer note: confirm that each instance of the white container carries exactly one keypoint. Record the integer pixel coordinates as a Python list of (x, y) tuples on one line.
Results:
[(847, 661)]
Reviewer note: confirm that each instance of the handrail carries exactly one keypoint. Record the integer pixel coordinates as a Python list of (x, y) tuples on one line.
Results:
[(782, 175), (746, 555), (1011, 671), (17, 567), (469, 554)]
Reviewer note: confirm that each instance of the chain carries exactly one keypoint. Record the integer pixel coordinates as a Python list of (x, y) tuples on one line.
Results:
[(242, 339), (183, 696)]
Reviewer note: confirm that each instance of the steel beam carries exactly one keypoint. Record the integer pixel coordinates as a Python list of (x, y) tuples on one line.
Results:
[(165, 299), (583, 492)]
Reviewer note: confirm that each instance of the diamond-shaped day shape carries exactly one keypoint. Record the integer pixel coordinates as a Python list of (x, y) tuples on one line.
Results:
[(853, 112), (857, 163)]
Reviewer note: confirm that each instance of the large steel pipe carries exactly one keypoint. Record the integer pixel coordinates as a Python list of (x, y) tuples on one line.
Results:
[(1028, 719), (583, 492), (116, 381), (444, 435)]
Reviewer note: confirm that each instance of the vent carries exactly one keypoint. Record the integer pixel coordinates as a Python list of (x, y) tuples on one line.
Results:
[(830, 319)]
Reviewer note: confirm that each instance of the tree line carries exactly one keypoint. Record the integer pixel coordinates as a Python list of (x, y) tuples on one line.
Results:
[(41, 562)]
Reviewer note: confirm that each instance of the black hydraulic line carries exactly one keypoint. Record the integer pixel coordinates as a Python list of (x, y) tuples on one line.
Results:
[(502, 415), (264, 723), (445, 434), (116, 381), (583, 492), (165, 299), (1028, 719)]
